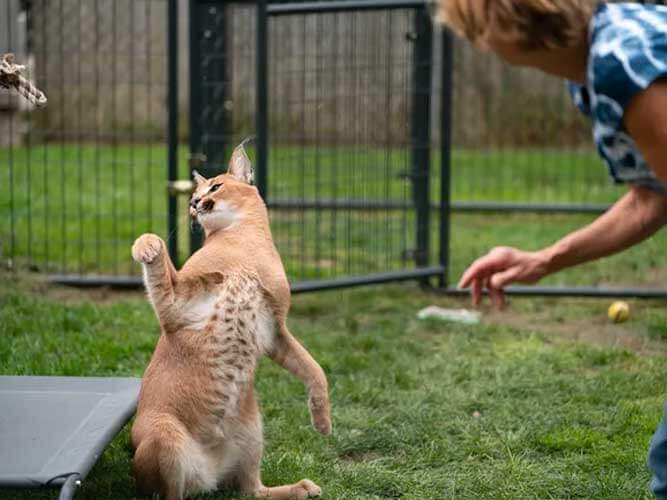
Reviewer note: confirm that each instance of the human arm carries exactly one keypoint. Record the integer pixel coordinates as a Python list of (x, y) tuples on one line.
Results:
[(635, 217)]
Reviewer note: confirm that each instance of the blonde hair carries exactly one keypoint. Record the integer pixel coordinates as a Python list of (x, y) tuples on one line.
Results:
[(532, 24)]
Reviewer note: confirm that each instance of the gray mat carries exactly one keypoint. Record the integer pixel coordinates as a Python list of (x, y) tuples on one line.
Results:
[(54, 427)]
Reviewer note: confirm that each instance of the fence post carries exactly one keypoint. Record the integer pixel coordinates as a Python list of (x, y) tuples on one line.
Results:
[(262, 98), (421, 130), (172, 159), (447, 82), (209, 79), (195, 104)]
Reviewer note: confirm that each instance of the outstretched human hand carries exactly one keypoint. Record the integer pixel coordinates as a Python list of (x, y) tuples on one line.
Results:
[(500, 267)]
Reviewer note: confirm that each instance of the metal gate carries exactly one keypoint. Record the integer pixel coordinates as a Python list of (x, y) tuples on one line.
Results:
[(343, 150)]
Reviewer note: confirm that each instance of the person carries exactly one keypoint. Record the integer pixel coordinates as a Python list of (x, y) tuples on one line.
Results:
[(614, 58)]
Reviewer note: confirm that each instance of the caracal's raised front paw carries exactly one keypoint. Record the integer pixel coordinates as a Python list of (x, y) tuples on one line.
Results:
[(306, 489), (146, 248), (320, 413)]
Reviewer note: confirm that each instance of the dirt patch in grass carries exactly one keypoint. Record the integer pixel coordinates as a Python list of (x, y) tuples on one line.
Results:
[(583, 320), (98, 295), (39, 285), (655, 278), (360, 456), (630, 336)]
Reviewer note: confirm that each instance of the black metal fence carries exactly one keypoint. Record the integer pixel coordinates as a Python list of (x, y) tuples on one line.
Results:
[(83, 176), (373, 130)]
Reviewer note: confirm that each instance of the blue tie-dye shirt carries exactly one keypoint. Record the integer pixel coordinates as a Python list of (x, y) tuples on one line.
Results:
[(628, 52)]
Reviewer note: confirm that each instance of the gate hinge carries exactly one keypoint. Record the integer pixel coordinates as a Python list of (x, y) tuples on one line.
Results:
[(180, 187), (197, 160)]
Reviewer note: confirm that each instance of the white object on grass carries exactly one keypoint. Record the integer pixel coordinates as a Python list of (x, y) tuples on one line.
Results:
[(455, 315)]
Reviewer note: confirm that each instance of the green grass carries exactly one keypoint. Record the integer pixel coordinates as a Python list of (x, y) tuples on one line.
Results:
[(567, 402)]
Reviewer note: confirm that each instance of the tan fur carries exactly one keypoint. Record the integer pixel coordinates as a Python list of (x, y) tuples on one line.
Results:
[(198, 424)]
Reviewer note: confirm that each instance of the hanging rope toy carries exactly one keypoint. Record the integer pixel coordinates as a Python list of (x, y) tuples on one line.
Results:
[(10, 77)]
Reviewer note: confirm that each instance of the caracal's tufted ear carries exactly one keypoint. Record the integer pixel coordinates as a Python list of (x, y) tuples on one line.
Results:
[(239, 165), (199, 179)]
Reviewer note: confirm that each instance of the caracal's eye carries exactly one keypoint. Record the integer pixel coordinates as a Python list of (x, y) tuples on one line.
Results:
[(215, 187)]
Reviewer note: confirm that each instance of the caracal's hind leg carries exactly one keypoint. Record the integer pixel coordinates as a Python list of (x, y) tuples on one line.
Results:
[(250, 482), (248, 438), (303, 489), (157, 463), (291, 355)]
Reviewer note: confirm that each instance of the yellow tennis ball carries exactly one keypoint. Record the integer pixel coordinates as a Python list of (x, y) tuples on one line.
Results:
[(619, 312)]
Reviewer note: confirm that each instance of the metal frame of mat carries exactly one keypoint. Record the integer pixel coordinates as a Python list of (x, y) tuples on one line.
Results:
[(54, 429)]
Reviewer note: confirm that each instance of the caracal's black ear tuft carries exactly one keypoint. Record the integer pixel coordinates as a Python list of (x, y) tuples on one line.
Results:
[(199, 179), (239, 165)]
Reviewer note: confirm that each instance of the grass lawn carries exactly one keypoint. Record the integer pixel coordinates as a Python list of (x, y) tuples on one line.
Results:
[(546, 400)]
